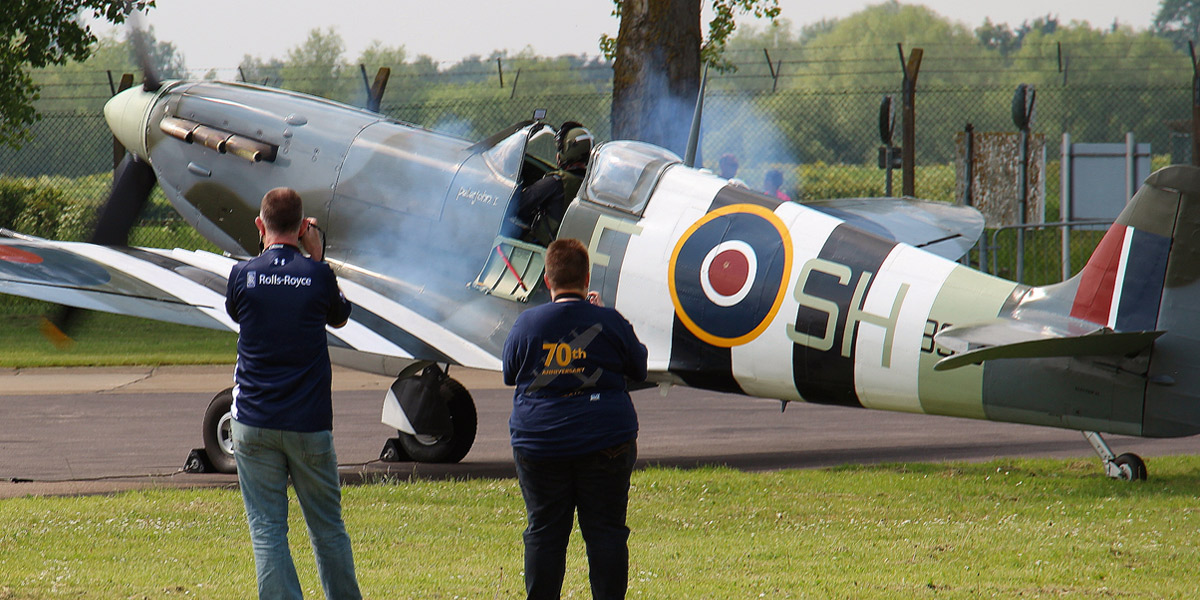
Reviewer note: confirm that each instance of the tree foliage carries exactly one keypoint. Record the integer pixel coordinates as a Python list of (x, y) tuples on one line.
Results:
[(1178, 21), (657, 56), (38, 33)]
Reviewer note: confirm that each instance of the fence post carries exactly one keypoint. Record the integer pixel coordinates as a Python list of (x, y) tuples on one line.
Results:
[(774, 71), (908, 139)]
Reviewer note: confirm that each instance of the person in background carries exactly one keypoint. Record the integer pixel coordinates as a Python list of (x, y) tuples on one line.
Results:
[(772, 184), (727, 166), (282, 407), (573, 426)]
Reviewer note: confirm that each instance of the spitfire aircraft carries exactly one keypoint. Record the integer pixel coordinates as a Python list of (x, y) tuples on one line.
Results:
[(854, 302)]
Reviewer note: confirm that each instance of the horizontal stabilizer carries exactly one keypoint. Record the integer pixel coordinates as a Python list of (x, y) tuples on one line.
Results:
[(1005, 338), (946, 230)]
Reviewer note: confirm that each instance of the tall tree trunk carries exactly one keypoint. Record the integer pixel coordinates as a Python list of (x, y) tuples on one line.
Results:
[(656, 74)]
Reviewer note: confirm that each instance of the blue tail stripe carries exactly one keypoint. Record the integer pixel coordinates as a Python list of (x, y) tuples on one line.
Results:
[(1141, 290)]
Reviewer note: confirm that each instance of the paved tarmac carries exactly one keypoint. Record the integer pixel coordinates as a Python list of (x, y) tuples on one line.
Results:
[(100, 430)]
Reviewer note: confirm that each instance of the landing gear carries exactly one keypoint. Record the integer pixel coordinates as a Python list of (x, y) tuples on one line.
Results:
[(434, 417), (1127, 467), (451, 447), (218, 433)]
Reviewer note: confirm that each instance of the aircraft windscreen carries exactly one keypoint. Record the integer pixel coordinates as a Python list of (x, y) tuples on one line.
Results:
[(505, 158), (541, 146), (623, 174)]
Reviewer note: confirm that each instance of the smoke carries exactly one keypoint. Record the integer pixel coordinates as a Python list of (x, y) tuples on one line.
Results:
[(732, 123), (737, 124)]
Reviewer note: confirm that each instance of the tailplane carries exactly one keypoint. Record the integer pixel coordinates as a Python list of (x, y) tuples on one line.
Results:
[(1119, 303)]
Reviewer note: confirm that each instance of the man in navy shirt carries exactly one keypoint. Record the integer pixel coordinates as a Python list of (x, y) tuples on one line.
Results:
[(573, 426), (282, 405)]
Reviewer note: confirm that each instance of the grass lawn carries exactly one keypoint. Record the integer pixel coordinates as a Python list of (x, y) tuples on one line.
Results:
[(1018, 528), (103, 339)]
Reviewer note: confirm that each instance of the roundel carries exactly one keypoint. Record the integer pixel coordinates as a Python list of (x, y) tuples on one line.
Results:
[(727, 273), (49, 265)]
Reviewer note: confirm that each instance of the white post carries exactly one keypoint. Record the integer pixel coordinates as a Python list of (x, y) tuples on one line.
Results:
[(1064, 203)]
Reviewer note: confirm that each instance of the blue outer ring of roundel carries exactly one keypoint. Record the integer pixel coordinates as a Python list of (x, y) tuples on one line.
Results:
[(53, 266), (727, 326)]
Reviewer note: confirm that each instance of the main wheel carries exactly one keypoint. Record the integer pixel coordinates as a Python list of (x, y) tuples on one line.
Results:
[(218, 432), (447, 448), (1135, 464)]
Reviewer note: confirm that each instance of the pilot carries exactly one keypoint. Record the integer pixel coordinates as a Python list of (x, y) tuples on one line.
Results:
[(540, 210)]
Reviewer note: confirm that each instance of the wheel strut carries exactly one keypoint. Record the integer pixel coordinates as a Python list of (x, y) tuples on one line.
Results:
[(1126, 467)]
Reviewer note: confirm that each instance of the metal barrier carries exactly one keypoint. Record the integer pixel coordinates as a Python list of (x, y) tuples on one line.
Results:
[(1050, 252)]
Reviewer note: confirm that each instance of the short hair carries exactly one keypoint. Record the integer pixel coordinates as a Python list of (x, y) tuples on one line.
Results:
[(728, 162), (282, 210), (567, 264), (774, 178)]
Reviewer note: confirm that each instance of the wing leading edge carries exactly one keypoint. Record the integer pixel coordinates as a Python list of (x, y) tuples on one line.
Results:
[(188, 287)]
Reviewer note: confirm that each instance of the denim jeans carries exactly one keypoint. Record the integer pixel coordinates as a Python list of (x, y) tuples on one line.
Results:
[(597, 486), (265, 459)]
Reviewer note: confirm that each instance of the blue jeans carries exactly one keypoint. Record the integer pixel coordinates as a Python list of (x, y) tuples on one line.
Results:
[(265, 458), (597, 486)]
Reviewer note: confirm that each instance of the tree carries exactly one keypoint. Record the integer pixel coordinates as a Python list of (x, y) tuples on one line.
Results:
[(997, 37), (37, 33), (1178, 21), (315, 66), (657, 58)]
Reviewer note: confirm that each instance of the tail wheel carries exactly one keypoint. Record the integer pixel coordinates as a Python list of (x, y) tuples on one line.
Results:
[(447, 448), (1135, 465), (218, 433)]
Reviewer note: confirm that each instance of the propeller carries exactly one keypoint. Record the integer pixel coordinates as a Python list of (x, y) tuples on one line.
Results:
[(133, 181), (151, 82)]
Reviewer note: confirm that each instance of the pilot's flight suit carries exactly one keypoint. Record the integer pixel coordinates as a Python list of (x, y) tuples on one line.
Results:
[(544, 203)]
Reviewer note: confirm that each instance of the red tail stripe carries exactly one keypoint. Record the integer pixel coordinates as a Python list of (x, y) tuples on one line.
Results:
[(1093, 299)]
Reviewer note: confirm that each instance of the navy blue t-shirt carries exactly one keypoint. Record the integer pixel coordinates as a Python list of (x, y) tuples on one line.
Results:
[(283, 301), (569, 361)]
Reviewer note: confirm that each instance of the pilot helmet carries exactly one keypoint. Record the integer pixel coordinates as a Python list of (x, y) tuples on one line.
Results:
[(574, 143)]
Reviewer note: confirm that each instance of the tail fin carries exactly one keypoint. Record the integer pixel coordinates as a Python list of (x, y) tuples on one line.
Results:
[(1121, 285), (1146, 274)]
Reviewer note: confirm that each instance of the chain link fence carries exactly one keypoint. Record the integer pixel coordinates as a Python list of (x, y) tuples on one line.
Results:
[(826, 142)]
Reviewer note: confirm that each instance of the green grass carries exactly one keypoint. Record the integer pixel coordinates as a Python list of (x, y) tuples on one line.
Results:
[(1019, 528), (103, 339)]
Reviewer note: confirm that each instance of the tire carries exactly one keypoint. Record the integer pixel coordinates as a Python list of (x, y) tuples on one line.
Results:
[(218, 438), (1137, 467), (451, 448)]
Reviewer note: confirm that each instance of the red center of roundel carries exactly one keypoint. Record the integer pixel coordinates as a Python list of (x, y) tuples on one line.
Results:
[(728, 272), (17, 255)]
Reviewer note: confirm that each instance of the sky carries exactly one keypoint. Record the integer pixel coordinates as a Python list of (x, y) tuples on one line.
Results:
[(216, 34)]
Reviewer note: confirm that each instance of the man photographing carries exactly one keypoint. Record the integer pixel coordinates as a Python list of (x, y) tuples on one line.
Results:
[(282, 402), (573, 426)]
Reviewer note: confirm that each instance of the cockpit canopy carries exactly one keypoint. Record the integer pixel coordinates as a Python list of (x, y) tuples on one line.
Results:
[(623, 174)]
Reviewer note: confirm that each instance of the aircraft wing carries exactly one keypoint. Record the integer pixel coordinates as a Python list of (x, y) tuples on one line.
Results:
[(188, 287), (947, 230), (1037, 338)]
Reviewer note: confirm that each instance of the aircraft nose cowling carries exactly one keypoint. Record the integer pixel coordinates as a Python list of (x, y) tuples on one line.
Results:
[(127, 114)]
